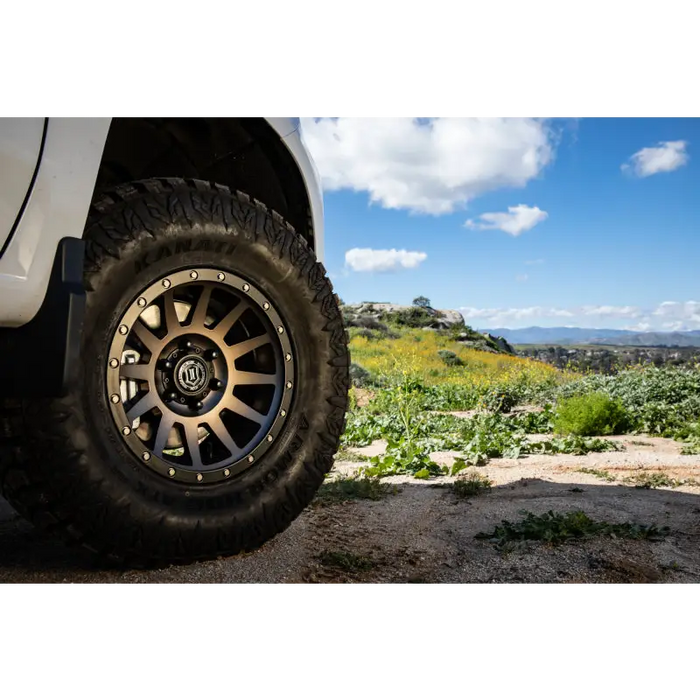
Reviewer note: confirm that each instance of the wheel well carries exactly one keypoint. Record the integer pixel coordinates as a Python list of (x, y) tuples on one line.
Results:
[(244, 154)]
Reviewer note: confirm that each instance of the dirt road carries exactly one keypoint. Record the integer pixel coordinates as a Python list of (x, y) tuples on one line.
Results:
[(421, 532)]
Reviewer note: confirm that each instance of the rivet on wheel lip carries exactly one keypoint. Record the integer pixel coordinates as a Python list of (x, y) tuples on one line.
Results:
[(221, 277), (270, 438), (280, 330), (166, 283), (171, 472), (251, 458), (194, 276), (283, 413), (199, 477), (246, 287), (126, 430), (123, 329), (146, 456), (266, 306), (288, 357), (114, 363), (289, 385), (114, 398), (227, 472), (141, 302)]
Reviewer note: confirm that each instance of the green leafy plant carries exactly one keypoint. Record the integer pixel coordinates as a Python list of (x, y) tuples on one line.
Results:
[(558, 528), (589, 415)]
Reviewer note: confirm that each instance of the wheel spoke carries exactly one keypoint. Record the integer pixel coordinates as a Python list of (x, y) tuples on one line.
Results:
[(243, 348), (144, 334), (243, 409), (144, 404), (164, 428), (226, 323), (141, 373), (248, 378), (200, 311), (192, 441), (172, 322), (221, 432)]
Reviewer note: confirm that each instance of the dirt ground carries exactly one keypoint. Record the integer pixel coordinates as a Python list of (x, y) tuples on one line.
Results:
[(421, 533)]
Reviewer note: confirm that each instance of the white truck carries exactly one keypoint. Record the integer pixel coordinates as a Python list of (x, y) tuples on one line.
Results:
[(173, 360)]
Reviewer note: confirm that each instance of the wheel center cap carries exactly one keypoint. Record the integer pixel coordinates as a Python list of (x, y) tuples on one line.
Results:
[(191, 375)]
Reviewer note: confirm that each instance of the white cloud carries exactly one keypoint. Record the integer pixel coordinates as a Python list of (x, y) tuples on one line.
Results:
[(431, 166), (612, 311), (663, 158), (667, 316), (515, 221), (369, 260)]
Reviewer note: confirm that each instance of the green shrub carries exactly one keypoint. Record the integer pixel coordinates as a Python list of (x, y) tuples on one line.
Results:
[(589, 415), (359, 376), (450, 358), (499, 399), (415, 317)]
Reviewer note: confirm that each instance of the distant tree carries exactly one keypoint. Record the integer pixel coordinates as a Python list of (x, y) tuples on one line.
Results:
[(422, 302)]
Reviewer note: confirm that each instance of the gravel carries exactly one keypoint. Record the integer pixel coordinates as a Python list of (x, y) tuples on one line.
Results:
[(420, 532)]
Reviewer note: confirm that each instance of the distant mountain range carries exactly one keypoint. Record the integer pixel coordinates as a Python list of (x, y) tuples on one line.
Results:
[(594, 336)]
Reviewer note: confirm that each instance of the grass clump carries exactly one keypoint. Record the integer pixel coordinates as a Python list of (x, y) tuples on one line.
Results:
[(346, 561), (598, 473), (657, 480), (590, 414), (470, 485), (351, 489), (558, 528)]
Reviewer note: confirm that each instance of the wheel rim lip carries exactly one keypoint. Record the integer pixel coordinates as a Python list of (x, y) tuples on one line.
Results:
[(220, 471)]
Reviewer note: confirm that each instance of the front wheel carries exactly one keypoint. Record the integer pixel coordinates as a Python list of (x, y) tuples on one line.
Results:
[(213, 389)]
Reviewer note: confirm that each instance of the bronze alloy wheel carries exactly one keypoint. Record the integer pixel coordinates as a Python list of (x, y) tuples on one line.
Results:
[(200, 375)]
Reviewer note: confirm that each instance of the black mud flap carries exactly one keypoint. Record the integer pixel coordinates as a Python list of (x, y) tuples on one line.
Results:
[(41, 358)]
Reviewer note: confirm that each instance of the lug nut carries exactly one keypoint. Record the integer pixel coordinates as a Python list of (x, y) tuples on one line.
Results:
[(212, 354), (167, 365), (216, 384), (188, 345), (198, 405), (172, 396)]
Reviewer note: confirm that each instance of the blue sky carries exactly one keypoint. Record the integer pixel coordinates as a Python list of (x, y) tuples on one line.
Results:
[(578, 229)]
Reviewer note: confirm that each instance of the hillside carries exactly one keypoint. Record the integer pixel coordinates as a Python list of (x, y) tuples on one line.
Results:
[(536, 335)]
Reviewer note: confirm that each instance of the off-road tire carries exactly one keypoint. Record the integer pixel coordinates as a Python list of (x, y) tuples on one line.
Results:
[(64, 465)]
